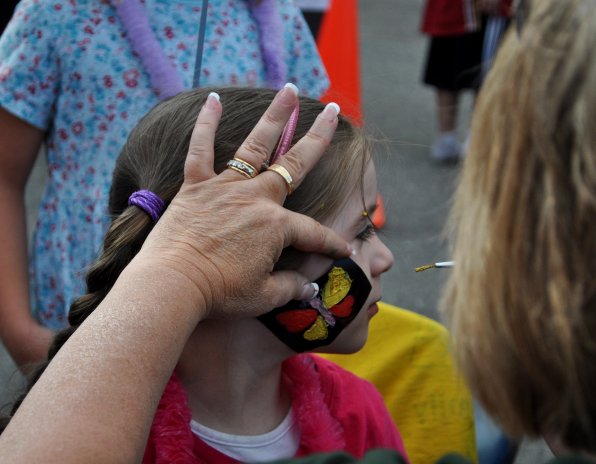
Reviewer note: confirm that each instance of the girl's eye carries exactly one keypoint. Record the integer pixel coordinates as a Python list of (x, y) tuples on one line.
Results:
[(367, 233)]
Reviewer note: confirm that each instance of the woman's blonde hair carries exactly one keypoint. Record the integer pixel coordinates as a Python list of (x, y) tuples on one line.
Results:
[(521, 302)]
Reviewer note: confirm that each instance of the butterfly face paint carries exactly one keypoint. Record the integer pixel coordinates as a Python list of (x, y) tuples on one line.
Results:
[(306, 325)]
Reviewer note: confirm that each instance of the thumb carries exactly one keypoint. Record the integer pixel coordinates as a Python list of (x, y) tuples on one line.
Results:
[(284, 286)]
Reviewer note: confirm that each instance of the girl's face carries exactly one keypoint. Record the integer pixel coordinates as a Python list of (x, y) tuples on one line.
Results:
[(374, 258)]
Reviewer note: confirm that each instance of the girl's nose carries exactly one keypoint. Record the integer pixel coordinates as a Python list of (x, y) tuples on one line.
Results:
[(382, 258)]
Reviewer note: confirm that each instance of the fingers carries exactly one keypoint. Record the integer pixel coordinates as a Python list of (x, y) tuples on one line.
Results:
[(306, 234), (306, 153), (199, 160), (257, 147), (284, 286)]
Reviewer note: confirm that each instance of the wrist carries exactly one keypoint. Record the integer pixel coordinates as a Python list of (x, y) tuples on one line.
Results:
[(162, 279), (27, 341)]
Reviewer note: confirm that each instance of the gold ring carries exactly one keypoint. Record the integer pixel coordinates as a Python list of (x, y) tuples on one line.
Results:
[(244, 168), (283, 172)]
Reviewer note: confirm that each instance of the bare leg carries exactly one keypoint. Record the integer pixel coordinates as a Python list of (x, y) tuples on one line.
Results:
[(447, 110), (447, 147)]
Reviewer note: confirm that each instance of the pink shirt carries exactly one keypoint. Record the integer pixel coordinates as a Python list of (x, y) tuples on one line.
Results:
[(334, 410)]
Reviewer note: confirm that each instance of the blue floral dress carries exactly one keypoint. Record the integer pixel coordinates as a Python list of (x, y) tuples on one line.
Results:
[(67, 68)]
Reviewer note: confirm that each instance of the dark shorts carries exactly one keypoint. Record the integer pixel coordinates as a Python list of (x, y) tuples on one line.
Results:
[(454, 63)]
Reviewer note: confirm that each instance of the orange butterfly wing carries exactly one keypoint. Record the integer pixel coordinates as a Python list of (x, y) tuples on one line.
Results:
[(297, 320), (343, 309)]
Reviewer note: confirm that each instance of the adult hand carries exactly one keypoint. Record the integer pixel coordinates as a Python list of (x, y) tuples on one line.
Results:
[(225, 233)]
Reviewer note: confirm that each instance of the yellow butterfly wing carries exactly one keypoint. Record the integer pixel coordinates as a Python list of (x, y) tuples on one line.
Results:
[(337, 287), (318, 331)]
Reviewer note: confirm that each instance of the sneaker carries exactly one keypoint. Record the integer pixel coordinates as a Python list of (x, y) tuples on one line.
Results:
[(446, 148)]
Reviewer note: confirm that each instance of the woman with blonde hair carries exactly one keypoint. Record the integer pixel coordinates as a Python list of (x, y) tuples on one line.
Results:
[(521, 300)]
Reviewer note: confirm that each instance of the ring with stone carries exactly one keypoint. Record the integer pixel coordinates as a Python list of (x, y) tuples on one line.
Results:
[(286, 176), (244, 168)]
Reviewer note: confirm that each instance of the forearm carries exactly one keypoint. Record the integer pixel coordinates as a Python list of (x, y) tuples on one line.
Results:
[(24, 339), (120, 360)]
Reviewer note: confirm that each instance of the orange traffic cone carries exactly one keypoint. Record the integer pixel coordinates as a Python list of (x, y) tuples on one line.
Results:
[(378, 218), (338, 46)]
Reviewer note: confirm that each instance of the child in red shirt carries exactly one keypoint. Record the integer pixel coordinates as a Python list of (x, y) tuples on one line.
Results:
[(453, 64)]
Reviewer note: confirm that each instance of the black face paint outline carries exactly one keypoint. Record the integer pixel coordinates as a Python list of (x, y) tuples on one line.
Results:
[(360, 289)]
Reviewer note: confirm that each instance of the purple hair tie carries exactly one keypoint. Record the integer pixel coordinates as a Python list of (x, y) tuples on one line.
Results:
[(148, 202), (287, 135)]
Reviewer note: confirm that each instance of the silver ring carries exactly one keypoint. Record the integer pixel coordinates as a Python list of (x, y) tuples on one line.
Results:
[(244, 168)]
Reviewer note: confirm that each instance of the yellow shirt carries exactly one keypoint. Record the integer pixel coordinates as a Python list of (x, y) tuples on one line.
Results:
[(407, 358)]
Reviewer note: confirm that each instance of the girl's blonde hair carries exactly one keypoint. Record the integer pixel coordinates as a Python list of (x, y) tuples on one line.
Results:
[(521, 301)]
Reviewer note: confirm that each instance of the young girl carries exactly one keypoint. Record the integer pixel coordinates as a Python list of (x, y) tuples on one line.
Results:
[(240, 392), (452, 65), (77, 76)]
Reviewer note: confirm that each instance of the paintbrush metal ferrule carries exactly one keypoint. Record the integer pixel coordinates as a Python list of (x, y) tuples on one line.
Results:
[(445, 264)]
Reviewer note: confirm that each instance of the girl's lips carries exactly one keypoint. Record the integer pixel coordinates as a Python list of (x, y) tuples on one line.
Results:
[(372, 310)]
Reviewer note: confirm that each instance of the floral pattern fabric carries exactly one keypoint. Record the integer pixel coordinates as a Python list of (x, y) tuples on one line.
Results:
[(67, 68)]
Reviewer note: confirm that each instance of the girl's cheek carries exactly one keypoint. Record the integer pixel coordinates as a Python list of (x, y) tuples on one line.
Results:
[(360, 253), (314, 266)]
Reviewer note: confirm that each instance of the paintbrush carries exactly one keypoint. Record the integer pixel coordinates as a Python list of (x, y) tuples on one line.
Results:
[(443, 264)]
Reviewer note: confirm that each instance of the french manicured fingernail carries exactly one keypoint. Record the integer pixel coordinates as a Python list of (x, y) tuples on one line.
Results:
[(212, 100), (331, 111), (292, 87), (310, 291), (288, 94)]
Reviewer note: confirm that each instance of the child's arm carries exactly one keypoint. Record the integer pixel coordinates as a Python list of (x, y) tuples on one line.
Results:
[(29, 83), (24, 338)]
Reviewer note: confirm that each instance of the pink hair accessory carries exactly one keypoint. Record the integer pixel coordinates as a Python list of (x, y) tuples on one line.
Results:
[(287, 135)]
